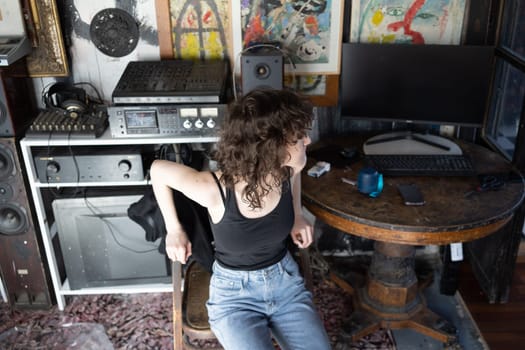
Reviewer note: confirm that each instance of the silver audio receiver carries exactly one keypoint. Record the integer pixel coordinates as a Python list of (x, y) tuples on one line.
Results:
[(128, 121)]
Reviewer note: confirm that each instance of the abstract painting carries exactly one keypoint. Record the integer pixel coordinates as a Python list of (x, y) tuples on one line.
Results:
[(308, 32), (407, 21), (200, 29)]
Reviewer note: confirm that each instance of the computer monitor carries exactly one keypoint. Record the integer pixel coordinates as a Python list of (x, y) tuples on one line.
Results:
[(425, 84)]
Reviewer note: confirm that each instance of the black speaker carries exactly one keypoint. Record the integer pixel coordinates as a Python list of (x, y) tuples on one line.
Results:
[(17, 104), (262, 71), (21, 265)]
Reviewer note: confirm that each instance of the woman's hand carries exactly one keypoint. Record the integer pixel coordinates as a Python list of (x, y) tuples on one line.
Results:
[(302, 232), (178, 246)]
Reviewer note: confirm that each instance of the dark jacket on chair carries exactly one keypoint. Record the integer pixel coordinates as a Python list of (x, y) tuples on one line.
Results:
[(193, 217)]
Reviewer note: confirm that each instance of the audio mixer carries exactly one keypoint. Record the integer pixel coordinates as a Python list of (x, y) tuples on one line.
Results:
[(172, 81)]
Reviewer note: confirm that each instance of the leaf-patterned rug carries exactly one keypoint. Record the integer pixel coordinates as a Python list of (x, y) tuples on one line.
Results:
[(144, 321)]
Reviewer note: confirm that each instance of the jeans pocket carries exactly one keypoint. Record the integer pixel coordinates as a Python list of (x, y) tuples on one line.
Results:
[(222, 289), (226, 284), (223, 297), (291, 271)]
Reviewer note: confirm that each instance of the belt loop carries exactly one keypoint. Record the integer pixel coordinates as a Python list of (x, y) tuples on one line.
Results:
[(281, 268)]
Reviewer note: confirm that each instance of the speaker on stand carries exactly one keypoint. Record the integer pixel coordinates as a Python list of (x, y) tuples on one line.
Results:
[(22, 266), (26, 282), (263, 69)]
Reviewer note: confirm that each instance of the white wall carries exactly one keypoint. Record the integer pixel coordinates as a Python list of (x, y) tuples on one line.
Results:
[(89, 64)]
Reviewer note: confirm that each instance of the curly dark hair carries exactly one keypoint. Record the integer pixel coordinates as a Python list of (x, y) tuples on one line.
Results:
[(254, 137)]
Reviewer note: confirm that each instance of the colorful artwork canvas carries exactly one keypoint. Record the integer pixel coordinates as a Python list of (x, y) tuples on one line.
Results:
[(308, 32), (200, 29), (407, 21)]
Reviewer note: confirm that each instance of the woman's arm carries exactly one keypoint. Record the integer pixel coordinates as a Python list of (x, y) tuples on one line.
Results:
[(167, 176), (302, 231)]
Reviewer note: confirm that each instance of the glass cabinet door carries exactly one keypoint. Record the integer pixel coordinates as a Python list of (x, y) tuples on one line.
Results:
[(508, 93)]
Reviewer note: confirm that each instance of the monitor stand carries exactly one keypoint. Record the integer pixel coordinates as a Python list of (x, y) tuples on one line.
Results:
[(406, 142)]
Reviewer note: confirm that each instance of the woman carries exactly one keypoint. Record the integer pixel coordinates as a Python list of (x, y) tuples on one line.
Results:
[(254, 206)]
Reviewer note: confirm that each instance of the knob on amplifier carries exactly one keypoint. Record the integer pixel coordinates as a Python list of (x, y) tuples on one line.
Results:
[(124, 165), (52, 167)]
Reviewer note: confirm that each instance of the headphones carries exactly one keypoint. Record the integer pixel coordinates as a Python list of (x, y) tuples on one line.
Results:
[(71, 100)]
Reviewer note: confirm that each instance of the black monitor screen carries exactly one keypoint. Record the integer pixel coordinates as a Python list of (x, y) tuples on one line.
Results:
[(438, 84)]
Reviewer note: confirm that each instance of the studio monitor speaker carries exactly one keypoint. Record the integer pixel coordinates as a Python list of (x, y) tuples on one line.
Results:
[(262, 70), (21, 265), (17, 103)]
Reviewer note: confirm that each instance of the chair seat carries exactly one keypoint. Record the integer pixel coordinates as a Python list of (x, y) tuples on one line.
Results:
[(196, 292)]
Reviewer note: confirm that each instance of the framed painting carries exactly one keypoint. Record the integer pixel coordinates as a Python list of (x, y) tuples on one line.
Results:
[(48, 57), (309, 33), (407, 21), (194, 29), (175, 20)]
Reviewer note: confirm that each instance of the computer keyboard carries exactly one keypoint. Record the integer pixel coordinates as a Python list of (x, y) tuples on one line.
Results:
[(425, 165)]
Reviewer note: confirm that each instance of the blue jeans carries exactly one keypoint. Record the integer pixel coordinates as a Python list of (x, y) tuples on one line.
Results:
[(247, 308)]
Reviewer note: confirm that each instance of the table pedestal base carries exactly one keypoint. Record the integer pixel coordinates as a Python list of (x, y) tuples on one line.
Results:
[(392, 298)]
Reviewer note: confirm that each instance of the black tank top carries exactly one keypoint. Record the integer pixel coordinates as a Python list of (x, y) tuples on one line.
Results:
[(249, 244)]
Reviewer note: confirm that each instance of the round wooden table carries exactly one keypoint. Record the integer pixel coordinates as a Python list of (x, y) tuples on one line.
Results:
[(391, 297)]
